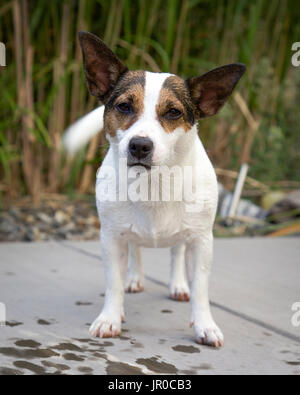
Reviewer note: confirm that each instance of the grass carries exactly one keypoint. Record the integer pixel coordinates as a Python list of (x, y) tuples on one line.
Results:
[(43, 88)]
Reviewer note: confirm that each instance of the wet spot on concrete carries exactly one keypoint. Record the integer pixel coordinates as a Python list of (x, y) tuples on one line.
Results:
[(120, 368), (10, 372), (105, 344), (67, 347), (100, 346), (43, 322), (99, 355), (187, 372), (13, 323), (10, 274), (82, 340), (165, 311), (27, 353), (203, 366), (157, 366), (102, 295), (124, 337), (72, 357), (83, 303), (36, 369), (27, 343), (162, 341), (85, 369), (186, 349), (292, 363), (58, 366)]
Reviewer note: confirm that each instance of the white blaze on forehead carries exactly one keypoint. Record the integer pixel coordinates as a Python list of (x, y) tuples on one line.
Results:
[(148, 125), (153, 85)]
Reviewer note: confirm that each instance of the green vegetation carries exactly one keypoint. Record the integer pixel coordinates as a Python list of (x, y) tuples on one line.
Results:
[(43, 89)]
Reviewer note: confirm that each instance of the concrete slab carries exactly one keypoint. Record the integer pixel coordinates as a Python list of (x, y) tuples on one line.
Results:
[(52, 291)]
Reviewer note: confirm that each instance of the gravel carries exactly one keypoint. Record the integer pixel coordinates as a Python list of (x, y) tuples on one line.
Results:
[(52, 219)]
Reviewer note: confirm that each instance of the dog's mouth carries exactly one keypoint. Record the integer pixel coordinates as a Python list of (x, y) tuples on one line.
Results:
[(139, 164)]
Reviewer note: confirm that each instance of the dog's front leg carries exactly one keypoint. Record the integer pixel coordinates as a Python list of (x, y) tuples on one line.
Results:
[(199, 256), (178, 287), (115, 255), (135, 274)]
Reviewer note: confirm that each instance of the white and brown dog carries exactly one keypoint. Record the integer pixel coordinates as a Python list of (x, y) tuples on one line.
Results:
[(150, 120)]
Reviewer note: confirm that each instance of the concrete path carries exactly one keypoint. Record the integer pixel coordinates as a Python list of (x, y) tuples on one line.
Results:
[(52, 292)]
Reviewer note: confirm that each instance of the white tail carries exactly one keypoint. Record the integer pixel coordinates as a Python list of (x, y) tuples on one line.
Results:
[(83, 130)]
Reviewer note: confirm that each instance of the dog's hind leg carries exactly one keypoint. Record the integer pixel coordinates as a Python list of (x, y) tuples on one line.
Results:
[(135, 273), (115, 256), (178, 287), (199, 256)]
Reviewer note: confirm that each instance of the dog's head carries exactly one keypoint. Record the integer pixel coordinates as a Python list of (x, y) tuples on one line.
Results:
[(150, 115)]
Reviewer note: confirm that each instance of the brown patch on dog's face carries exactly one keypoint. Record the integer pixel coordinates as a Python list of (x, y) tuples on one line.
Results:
[(175, 108), (129, 92)]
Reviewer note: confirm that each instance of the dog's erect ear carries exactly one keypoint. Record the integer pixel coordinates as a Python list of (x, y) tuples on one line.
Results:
[(211, 90), (101, 66)]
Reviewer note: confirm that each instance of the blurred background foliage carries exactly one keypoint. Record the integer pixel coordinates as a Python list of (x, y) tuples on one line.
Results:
[(43, 88)]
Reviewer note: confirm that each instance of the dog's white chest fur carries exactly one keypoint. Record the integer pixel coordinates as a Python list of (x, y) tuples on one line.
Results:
[(160, 223)]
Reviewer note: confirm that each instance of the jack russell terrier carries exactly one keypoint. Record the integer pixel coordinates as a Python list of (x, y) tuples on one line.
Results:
[(151, 122)]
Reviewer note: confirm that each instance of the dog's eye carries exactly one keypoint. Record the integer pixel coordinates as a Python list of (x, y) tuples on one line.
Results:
[(173, 113), (124, 108)]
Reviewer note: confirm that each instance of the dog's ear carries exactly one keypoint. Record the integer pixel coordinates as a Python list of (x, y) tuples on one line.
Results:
[(101, 66), (211, 90)]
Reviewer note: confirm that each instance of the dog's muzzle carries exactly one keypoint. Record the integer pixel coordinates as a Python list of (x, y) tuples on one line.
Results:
[(140, 150)]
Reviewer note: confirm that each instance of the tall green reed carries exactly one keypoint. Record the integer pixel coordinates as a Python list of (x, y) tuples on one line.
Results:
[(187, 37)]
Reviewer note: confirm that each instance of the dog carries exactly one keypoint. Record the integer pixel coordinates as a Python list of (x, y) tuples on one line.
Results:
[(151, 122)]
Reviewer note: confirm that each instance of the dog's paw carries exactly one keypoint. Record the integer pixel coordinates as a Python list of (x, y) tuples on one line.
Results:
[(208, 334), (105, 326), (134, 285), (180, 292)]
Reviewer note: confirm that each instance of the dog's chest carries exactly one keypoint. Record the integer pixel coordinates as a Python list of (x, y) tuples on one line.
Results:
[(160, 225), (153, 225)]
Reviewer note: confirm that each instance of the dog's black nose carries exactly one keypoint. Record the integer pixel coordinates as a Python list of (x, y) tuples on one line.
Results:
[(140, 147)]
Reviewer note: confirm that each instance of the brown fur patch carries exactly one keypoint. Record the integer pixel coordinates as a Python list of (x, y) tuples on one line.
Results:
[(174, 94), (130, 89)]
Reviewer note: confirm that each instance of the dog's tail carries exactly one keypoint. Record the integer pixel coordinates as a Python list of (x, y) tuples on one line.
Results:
[(83, 130)]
